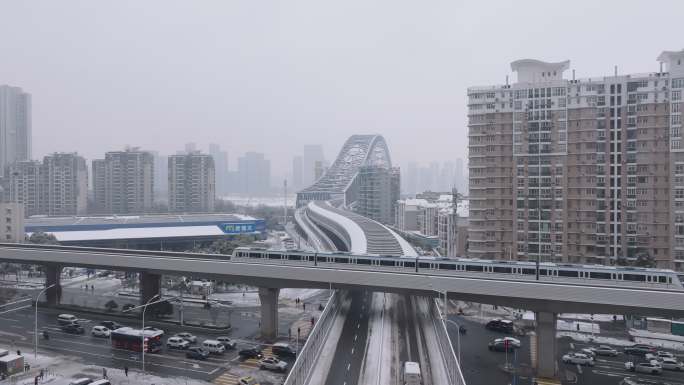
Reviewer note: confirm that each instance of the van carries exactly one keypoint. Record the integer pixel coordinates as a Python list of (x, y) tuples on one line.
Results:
[(411, 374), (101, 382), (81, 381), (66, 319), (214, 346)]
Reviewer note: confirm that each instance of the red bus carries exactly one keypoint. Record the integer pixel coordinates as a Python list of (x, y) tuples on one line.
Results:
[(131, 339)]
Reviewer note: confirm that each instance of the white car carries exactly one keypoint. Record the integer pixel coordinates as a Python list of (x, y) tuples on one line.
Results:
[(100, 331), (603, 350), (672, 364), (272, 363), (578, 359), (588, 351), (512, 341), (176, 342), (227, 342), (187, 336), (652, 367), (661, 355)]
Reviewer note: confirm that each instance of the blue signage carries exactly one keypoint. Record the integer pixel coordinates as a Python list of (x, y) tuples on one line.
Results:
[(238, 227)]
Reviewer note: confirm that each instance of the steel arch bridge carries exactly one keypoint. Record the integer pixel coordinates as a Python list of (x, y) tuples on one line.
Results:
[(339, 181)]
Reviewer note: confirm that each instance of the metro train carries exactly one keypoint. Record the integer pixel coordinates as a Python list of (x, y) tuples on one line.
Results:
[(459, 266)]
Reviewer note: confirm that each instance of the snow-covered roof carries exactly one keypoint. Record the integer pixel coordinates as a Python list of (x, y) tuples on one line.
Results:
[(463, 208), (356, 234), (137, 233)]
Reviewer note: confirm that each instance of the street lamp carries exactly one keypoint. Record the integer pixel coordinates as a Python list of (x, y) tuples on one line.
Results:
[(142, 332), (35, 324)]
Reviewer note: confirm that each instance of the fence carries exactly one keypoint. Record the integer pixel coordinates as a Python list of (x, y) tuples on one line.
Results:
[(307, 357), (451, 363)]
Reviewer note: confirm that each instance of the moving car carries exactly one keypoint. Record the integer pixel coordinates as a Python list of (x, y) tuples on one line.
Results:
[(603, 350), (66, 319), (652, 367), (111, 325), (197, 353), (213, 346), (284, 350), (578, 359), (661, 355), (73, 328), (672, 364), (411, 373), (639, 350), (187, 336), (250, 353), (272, 363), (499, 344), (100, 331), (153, 329), (81, 381), (500, 325), (247, 380), (227, 342), (177, 343)]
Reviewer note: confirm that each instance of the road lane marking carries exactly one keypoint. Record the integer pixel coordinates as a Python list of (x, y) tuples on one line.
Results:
[(348, 366), (355, 336), (579, 368), (352, 353)]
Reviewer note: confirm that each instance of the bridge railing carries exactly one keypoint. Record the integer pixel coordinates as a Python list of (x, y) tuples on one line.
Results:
[(308, 355), (453, 367)]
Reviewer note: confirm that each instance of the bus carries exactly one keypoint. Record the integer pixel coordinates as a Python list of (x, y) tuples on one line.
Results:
[(131, 339)]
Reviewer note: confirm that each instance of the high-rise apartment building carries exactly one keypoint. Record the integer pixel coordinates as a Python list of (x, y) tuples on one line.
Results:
[(161, 176), (15, 126), (313, 153), (254, 174), (123, 182), (12, 228), (66, 178), (578, 170), (27, 186), (378, 193), (192, 183), (221, 167)]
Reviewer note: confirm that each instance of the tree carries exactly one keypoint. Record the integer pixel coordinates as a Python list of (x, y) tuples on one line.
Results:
[(645, 259), (111, 305), (161, 309), (42, 238), (225, 246)]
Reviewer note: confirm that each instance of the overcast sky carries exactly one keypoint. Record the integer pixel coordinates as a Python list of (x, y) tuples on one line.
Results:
[(271, 76)]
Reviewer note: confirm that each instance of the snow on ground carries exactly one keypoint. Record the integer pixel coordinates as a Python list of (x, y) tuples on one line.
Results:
[(588, 317), (664, 340), (583, 337), (378, 350), (586, 327), (62, 370), (303, 294)]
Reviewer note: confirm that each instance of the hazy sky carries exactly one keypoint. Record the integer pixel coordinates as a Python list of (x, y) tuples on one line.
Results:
[(271, 76)]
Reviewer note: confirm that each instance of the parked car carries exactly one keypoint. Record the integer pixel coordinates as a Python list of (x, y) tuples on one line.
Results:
[(639, 350), (500, 325), (284, 350), (672, 364), (652, 367), (214, 346), (272, 363), (100, 331), (250, 353), (247, 380), (187, 336), (578, 359), (661, 355), (227, 342), (176, 342), (499, 345), (81, 381), (603, 350), (73, 328), (197, 353), (111, 325)]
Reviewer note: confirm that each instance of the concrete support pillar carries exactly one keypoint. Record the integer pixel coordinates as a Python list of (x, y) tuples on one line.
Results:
[(546, 345), (269, 312), (53, 273), (150, 285)]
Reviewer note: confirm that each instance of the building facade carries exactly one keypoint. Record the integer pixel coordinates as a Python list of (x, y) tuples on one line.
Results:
[(378, 193), (123, 182), (253, 175), (27, 186), (12, 228), (192, 183), (66, 181), (578, 170), (15, 126)]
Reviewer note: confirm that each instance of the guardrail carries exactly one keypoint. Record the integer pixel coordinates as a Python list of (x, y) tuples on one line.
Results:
[(307, 357), (453, 368)]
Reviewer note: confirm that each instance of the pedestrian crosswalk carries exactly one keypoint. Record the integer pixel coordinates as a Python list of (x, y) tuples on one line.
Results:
[(252, 363), (226, 378)]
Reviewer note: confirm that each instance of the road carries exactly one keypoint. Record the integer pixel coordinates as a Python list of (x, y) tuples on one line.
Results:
[(16, 333), (482, 367)]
